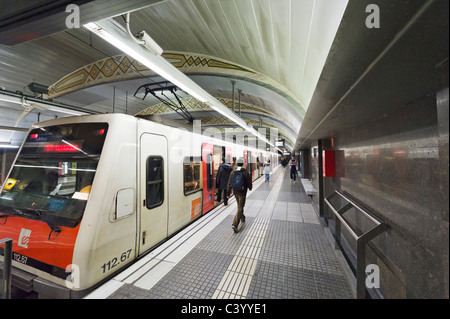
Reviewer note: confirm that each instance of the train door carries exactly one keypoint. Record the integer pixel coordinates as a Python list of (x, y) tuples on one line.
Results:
[(253, 161), (245, 159), (229, 155), (249, 163), (261, 164), (258, 165), (253, 165), (154, 201), (219, 153), (208, 177)]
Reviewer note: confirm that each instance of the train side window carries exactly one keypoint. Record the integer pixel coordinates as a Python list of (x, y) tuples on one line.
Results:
[(191, 174), (154, 182)]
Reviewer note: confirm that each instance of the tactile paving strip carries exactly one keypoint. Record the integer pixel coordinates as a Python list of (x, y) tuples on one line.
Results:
[(236, 280)]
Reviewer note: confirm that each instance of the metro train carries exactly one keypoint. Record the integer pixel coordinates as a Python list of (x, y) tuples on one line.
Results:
[(87, 196)]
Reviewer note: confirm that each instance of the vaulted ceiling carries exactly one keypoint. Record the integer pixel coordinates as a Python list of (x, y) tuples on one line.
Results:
[(305, 69), (271, 52)]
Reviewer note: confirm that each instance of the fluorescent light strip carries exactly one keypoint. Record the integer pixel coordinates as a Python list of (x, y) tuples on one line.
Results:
[(75, 147), (116, 35), (25, 102), (56, 167), (113, 33), (9, 146), (13, 100)]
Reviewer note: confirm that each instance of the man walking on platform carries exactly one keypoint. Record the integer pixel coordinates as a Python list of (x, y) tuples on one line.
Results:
[(223, 175), (240, 180), (293, 164), (267, 170)]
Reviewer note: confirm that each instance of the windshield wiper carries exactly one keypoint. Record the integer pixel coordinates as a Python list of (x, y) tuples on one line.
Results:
[(9, 211), (35, 213), (40, 214), (5, 216)]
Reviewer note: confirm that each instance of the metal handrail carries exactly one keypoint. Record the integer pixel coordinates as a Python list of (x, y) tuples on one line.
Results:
[(361, 240), (5, 288)]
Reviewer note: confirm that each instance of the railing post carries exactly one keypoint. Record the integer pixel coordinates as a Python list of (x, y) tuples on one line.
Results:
[(337, 234), (361, 241), (360, 269), (7, 263), (340, 212)]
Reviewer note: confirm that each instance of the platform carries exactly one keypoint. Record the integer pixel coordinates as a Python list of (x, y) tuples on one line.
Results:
[(281, 252)]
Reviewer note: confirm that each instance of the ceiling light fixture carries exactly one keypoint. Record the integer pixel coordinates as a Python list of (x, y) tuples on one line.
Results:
[(8, 145), (27, 101), (112, 32)]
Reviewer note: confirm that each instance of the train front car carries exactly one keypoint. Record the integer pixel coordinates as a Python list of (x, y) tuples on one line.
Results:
[(88, 195), (44, 203)]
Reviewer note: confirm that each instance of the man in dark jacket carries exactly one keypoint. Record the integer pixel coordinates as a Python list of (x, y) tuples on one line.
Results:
[(223, 174), (293, 165), (239, 194)]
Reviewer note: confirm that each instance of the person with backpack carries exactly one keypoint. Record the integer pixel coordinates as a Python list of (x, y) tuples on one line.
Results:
[(223, 175), (240, 181), (267, 170), (293, 164)]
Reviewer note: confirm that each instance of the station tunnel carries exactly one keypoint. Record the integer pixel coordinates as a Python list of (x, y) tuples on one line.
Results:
[(355, 92)]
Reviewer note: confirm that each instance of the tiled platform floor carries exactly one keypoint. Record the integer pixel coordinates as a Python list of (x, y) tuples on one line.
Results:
[(281, 252)]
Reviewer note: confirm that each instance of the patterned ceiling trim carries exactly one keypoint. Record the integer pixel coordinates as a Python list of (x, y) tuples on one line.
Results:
[(221, 120), (122, 67), (193, 104), (189, 60), (218, 122)]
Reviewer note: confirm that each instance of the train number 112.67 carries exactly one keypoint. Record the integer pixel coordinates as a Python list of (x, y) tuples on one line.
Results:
[(116, 261)]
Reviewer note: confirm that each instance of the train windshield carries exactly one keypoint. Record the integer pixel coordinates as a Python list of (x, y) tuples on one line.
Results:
[(53, 174)]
